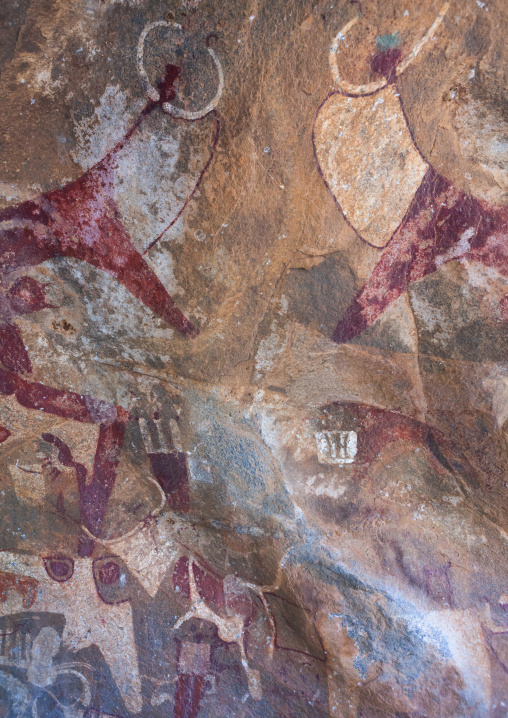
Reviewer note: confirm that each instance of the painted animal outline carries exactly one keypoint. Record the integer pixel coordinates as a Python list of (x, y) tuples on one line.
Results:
[(227, 602), (234, 606), (379, 430), (383, 437), (432, 223), (151, 552), (110, 627), (81, 220), (29, 655)]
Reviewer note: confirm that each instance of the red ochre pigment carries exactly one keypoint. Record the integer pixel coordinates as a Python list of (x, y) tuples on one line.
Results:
[(81, 220)]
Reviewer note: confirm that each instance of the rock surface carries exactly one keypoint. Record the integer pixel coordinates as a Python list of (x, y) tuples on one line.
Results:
[(253, 359)]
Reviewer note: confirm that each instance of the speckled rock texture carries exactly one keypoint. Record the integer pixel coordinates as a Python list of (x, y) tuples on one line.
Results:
[(253, 359)]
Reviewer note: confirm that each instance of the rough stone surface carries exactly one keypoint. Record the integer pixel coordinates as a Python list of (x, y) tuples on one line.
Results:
[(253, 359)]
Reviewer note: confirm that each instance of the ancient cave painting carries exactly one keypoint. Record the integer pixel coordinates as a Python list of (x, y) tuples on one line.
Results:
[(213, 611), (105, 623), (33, 682), (107, 574), (442, 224), (167, 459), (213, 603), (25, 586), (165, 93), (389, 194), (237, 607), (377, 428), (81, 220)]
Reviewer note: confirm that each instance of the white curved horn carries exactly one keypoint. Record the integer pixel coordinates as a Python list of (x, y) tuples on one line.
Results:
[(154, 94), (425, 39), (348, 88)]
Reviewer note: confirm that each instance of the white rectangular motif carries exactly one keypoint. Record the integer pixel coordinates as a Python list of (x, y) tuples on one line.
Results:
[(336, 447)]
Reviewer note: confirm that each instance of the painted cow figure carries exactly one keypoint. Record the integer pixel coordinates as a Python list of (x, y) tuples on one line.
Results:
[(82, 221)]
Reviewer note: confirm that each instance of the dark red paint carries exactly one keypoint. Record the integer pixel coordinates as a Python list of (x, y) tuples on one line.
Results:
[(170, 470), (111, 584), (84, 224), (385, 63), (4, 434), (167, 86), (81, 220), (189, 688), (13, 353), (210, 587), (27, 295), (442, 224), (86, 546), (109, 573), (59, 568), (65, 456), (67, 404), (26, 586), (181, 582), (377, 428), (94, 495)]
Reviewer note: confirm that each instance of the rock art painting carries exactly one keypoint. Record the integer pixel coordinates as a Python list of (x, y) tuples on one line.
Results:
[(253, 359), (81, 221), (390, 194)]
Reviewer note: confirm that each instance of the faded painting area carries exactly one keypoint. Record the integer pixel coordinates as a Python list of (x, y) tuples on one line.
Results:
[(253, 359)]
